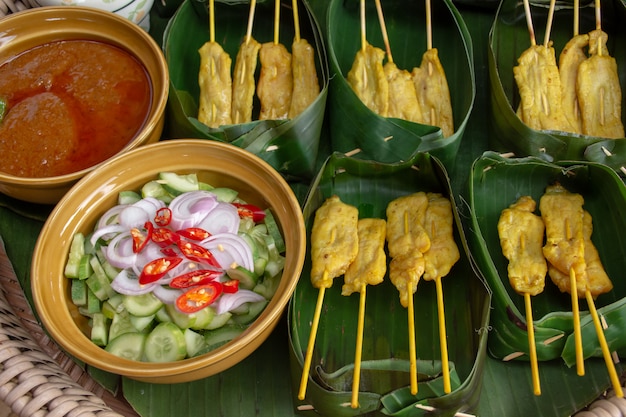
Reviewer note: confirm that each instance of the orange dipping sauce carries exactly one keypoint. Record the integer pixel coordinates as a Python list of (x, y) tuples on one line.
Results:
[(70, 105)]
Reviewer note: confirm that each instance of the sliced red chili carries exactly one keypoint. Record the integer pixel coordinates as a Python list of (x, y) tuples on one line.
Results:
[(164, 237), (197, 253), (251, 211), (169, 251), (199, 297), (141, 237), (194, 233), (163, 216), (231, 286), (197, 277), (157, 268)]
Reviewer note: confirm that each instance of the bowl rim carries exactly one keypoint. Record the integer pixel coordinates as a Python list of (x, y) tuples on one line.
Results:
[(66, 210), (155, 111)]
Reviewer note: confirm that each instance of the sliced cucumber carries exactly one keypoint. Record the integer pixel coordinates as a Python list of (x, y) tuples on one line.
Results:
[(99, 329), (94, 305), (221, 336), (142, 305), (77, 250), (254, 310), (267, 288), (165, 343), (274, 231), (84, 267), (142, 324), (128, 197), (100, 285), (226, 195), (128, 346), (120, 324), (182, 320), (177, 184), (247, 279), (155, 189), (79, 292), (218, 321), (195, 342)]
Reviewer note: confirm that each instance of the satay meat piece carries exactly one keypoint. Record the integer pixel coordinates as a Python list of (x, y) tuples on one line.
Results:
[(405, 271), (599, 92), (305, 83), (433, 93), (215, 85), (367, 79), (598, 282), (243, 81), (370, 265), (403, 102), (275, 85), (405, 225), (521, 234), (564, 249), (334, 241), (539, 84), (439, 224), (572, 55)]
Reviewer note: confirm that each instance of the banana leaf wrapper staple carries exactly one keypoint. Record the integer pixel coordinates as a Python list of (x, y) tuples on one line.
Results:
[(605, 199), (352, 124), (290, 146), (385, 390), (508, 38)]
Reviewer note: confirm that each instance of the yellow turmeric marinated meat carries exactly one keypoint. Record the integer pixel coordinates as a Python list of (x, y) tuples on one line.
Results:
[(521, 235), (275, 85), (405, 225), (562, 214), (438, 223), (405, 271), (370, 265), (571, 57), (243, 81), (305, 83), (539, 84), (598, 282), (403, 103), (433, 94), (334, 241), (599, 92), (367, 79), (215, 85)]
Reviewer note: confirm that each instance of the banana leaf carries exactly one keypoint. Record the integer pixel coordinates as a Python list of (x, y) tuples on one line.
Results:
[(605, 197), (290, 146), (352, 124), (509, 37), (370, 186)]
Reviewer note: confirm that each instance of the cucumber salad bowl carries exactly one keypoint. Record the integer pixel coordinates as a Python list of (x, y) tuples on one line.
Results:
[(170, 263)]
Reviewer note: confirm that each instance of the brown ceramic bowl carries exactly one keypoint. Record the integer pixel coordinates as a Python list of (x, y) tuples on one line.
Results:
[(24, 30), (219, 164)]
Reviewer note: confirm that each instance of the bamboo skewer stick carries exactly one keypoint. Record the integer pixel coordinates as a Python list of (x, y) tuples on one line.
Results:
[(580, 363), (250, 21), (383, 27), (534, 367), (363, 37), (356, 380), (617, 387), (212, 20), (411, 326), (529, 23), (576, 17), (429, 26), (296, 20), (443, 337), (546, 39), (276, 21)]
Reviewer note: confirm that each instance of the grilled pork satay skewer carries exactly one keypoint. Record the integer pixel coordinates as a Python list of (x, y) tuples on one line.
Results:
[(577, 233), (334, 246), (367, 76), (243, 78), (438, 260), (407, 241), (214, 80), (598, 88), (368, 268), (305, 83), (275, 85), (403, 103), (431, 85), (521, 235)]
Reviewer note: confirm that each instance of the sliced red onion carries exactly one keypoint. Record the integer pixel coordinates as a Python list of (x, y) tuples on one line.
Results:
[(149, 253), (110, 216), (151, 205), (119, 252), (190, 208), (167, 295), (133, 216), (230, 250), (224, 218), (127, 283), (106, 232), (228, 302)]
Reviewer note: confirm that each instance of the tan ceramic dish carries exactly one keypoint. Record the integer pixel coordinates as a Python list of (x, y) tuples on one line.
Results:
[(26, 29), (216, 163)]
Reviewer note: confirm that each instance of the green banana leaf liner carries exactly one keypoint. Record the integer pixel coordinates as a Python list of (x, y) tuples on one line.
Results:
[(509, 38), (385, 383), (352, 124), (290, 146), (605, 198)]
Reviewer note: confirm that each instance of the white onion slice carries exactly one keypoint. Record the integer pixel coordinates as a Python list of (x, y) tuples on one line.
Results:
[(150, 205), (110, 216), (167, 295), (106, 232), (133, 216), (230, 250), (228, 302), (120, 253), (224, 218), (127, 283), (190, 208)]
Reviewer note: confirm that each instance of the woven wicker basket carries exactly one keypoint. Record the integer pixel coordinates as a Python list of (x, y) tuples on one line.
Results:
[(10, 6)]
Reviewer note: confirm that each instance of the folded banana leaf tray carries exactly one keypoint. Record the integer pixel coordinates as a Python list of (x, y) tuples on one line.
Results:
[(477, 40)]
